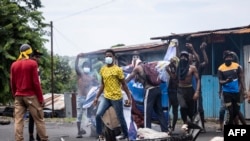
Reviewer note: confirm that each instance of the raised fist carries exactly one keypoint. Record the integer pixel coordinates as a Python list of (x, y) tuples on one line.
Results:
[(80, 55), (203, 45), (189, 46)]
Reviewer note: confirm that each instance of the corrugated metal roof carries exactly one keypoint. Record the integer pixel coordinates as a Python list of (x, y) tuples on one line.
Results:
[(58, 101), (235, 30), (130, 48), (245, 30)]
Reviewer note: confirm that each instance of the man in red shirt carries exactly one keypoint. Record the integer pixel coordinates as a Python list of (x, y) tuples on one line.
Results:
[(27, 91)]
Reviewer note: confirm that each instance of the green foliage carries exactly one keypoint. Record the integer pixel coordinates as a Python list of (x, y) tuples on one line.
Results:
[(62, 74), (32, 4), (21, 22), (63, 78), (18, 24)]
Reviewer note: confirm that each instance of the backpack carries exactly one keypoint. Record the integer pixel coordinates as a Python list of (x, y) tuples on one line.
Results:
[(151, 73)]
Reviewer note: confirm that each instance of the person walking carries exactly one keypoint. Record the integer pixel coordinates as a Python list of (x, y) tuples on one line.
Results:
[(27, 91), (172, 90), (84, 81), (186, 93), (240, 117), (223, 107), (200, 66), (152, 98), (112, 83), (230, 75)]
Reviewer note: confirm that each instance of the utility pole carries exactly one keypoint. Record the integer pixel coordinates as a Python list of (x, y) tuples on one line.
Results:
[(52, 69)]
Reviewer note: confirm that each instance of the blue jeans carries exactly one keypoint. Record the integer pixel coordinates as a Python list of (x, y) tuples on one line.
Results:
[(80, 101), (118, 107)]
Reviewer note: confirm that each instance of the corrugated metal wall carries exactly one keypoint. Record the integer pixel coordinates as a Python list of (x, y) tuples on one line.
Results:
[(211, 101), (246, 51), (210, 93)]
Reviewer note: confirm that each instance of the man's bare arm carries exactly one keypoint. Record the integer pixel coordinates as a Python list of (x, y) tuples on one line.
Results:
[(132, 74), (98, 94), (168, 70), (191, 48), (127, 91), (78, 72), (221, 81), (197, 90), (196, 74), (242, 82), (203, 50)]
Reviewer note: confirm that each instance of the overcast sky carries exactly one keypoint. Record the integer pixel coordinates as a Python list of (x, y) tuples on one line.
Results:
[(89, 25)]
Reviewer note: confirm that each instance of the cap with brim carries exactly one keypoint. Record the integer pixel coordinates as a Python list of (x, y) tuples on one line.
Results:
[(228, 54), (37, 53), (185, 53)]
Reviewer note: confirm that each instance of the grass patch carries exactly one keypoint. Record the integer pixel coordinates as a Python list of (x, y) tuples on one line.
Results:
[(62, 120), (59, 120)]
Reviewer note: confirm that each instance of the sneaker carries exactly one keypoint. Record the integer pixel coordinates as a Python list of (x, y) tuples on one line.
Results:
[(101, 138), (79, 136), (121, 138), (83, 131), (169, 127), (219, 130), (170, 131), (184, 127)]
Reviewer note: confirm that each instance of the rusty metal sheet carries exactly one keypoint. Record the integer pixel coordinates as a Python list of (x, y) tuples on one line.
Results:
[(235, 30), (131, 48)]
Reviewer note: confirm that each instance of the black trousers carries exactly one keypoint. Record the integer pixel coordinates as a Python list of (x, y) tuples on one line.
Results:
[(186, 102), (232, 103)]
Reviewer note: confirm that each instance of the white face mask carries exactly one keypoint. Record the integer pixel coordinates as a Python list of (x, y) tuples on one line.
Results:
[(108, 60), (86, 70)]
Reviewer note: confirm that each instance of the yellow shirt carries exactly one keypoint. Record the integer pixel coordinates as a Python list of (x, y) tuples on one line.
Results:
[(111, 78)]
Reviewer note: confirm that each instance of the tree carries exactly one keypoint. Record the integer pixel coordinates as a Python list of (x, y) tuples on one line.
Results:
[(63, 79), (32, 4), (19, 23)]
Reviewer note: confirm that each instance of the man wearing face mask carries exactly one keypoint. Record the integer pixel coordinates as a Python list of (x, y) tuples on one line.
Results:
[(112, 83), (172, 90), (84, 82), (186, 94), (230, 76), (200, 65), (135, 59)]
